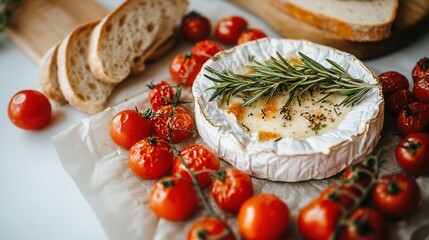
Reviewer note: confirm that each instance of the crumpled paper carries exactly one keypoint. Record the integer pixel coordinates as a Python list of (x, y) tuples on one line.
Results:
[(120, 198)]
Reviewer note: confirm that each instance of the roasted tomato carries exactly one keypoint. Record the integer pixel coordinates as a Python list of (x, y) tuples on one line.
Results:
[(396, 102), (195, 27), (172, 122), (249, 35), (198, 157), (396, 195), (412, 153), (345, 195), (204, 50), (413, 118), (184, 68), (421, 89), (365, 224), (128, 127), (421, 69), (160, 94), (29, 109), (319, 219), (150, 158), (228, 30), (173, 199), (263, 216), (231, 189), (392, 81), (210, 228)]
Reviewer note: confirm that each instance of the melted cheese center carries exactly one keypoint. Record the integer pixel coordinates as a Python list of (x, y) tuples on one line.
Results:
[(304, 118)]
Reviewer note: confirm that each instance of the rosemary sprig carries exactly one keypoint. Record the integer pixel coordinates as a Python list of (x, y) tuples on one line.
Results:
[(279, 74)]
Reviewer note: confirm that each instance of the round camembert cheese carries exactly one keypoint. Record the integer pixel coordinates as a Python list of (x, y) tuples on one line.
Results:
[(310, 139)]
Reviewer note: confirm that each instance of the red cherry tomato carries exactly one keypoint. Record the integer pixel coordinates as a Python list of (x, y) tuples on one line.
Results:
[(150, 158), (184, 68), (195, 27), (421, 89), (344, 195), (210, 228), (173, 199), (392, 81), (412, 153), (228, 30), (128, 127), (263, 216), (361, 173), (396, 196), (396, 102), (174, 122), (413, 118), (29, 109), (421, 69), (365, 224), (204, 50), (250, 35), (319, 219), (160, 94), (198, 157), (231, 189)]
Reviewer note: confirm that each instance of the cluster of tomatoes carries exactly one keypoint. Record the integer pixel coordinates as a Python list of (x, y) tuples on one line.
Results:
[(151, 137), (343, 212), (196, 28), (411, 109)]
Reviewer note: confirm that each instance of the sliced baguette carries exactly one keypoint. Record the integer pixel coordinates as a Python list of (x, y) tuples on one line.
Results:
[(119, 41), (48, 76), (80, 88), (354, 20)]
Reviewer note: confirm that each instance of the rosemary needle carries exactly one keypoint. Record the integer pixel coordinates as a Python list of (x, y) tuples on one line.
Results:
[(275, 75)]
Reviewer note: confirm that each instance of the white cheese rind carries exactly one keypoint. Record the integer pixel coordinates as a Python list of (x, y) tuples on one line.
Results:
[(289, 159)]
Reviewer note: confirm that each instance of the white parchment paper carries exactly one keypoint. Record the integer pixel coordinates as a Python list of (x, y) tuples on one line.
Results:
[(119, 198)]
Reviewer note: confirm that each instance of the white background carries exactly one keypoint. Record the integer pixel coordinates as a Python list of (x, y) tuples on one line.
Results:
[(38, 199)]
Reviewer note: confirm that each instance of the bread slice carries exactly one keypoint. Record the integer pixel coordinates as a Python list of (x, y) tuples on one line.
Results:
[(354, 20), (48, 77), (80, 88), (119, 41)]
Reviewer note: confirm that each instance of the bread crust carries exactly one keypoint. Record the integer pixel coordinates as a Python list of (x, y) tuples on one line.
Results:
[(48, 77), (348, 31)]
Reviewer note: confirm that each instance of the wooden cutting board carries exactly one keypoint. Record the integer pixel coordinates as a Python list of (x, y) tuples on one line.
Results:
[(412, 18), (40, 24)]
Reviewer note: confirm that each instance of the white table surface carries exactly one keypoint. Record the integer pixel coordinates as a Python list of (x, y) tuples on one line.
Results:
[(38, 199)]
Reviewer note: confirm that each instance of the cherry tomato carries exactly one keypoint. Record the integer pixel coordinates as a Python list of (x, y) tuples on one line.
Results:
[(263, 216), (198, 157), (421, 69), (160, 94), (195, 27), (365, 224), (396, 196), (250, 35), (412, 153), (396, 102), (421, 89), (413, 118), (184, 68), (150, 158), (344, 195), (361, 173), (210, 228), (29, 109), (128, 127), (228, 30), (174, 121), (392, 81), (204, 50), (319, 219), (231, 189), (173, 199)]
